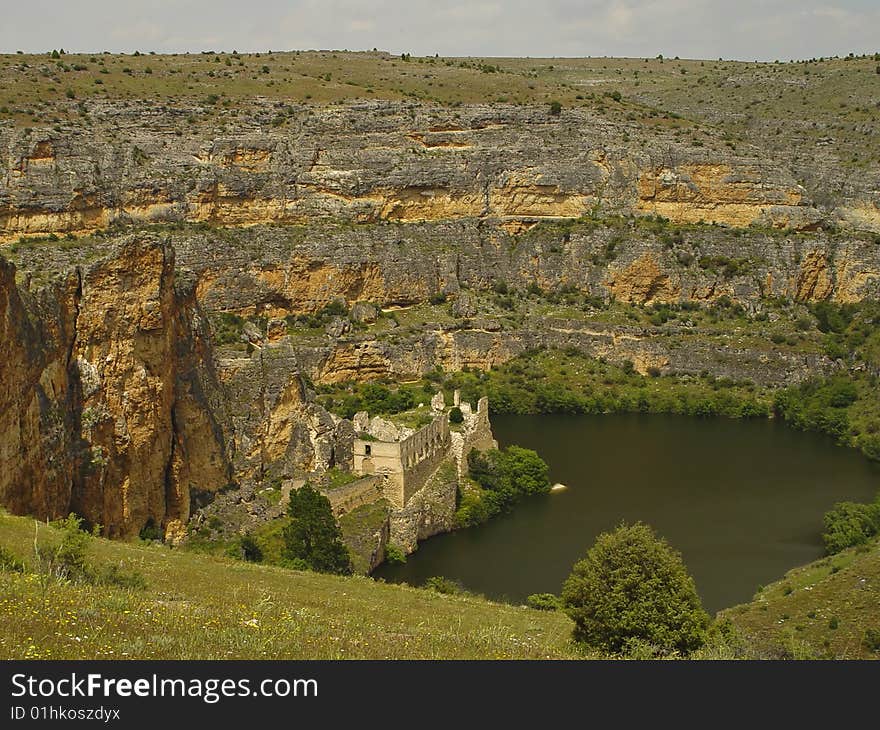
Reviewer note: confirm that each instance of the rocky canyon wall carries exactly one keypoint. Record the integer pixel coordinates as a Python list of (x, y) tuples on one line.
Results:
[(371, 161), (108, 395)]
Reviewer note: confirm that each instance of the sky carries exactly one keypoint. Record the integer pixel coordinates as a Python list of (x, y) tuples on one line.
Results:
[(731, 29)]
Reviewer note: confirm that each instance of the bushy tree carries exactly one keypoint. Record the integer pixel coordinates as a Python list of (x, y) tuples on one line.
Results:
[(632, 590), (246, 548), (850, 524), (507, 474), (312, 539)]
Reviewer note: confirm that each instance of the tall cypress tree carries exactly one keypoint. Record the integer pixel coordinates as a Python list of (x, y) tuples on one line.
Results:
[(313, 539)]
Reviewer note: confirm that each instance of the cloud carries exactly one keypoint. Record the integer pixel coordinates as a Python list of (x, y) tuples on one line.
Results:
[(747, 29)]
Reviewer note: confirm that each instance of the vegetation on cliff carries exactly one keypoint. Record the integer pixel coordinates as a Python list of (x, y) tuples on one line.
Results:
[(568, 382), (847, 405)]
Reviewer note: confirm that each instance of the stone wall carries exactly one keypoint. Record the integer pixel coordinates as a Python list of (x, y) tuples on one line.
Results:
[(475, 433), (430, 511), (406, 464), (422, 453), (349, 497)]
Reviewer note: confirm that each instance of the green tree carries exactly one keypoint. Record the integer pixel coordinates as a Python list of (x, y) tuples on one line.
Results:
[(508, 474), (849, 524), (526, 472), (632, 590), (312, 539)]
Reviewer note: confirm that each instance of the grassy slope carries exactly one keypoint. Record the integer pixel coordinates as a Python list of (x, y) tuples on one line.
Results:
[(818, 610), (202, 607)]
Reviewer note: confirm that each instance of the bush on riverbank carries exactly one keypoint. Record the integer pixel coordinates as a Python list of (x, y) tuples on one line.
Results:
[(850, 524), (499, 478), (632, 593), (845, 407), (555, 381)]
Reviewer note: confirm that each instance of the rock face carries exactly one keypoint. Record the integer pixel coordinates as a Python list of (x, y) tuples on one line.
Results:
[(277, 271), (374, 161), (115, 402), (37, 414), (109, 381)]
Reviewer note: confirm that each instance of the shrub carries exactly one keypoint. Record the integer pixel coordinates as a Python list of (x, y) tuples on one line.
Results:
[(871, 640), (849, 524), (65, 559), (9, 562), (555, 108), (507, 475), (455, 415), (312, 536), (150, 531), (632, 587), (447, 586), (474, 508), (394, 555), (544, 602), (117, 574), (246, 548)]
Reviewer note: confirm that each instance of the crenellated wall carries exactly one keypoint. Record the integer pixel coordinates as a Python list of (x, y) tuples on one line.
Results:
[(407, 464), (475, 433)]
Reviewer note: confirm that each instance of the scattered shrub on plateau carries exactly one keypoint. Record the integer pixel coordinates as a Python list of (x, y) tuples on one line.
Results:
[(632, 590)]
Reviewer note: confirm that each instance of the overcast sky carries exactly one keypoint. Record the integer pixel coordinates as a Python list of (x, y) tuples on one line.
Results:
[(742, 29)]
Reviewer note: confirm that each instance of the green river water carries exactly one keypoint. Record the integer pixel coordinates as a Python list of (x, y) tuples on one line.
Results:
[(742, 500)]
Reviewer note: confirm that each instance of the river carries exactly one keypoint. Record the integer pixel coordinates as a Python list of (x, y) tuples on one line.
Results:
[(741, 500)]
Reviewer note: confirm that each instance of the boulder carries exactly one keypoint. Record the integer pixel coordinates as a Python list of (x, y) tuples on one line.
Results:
[(364, 312), (383, 430)]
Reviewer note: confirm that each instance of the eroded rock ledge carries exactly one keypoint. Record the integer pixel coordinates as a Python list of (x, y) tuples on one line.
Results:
[(393, 161)]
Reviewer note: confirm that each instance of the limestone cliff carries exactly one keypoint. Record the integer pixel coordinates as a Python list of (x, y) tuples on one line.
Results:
[(382, 160), (106, 395)]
